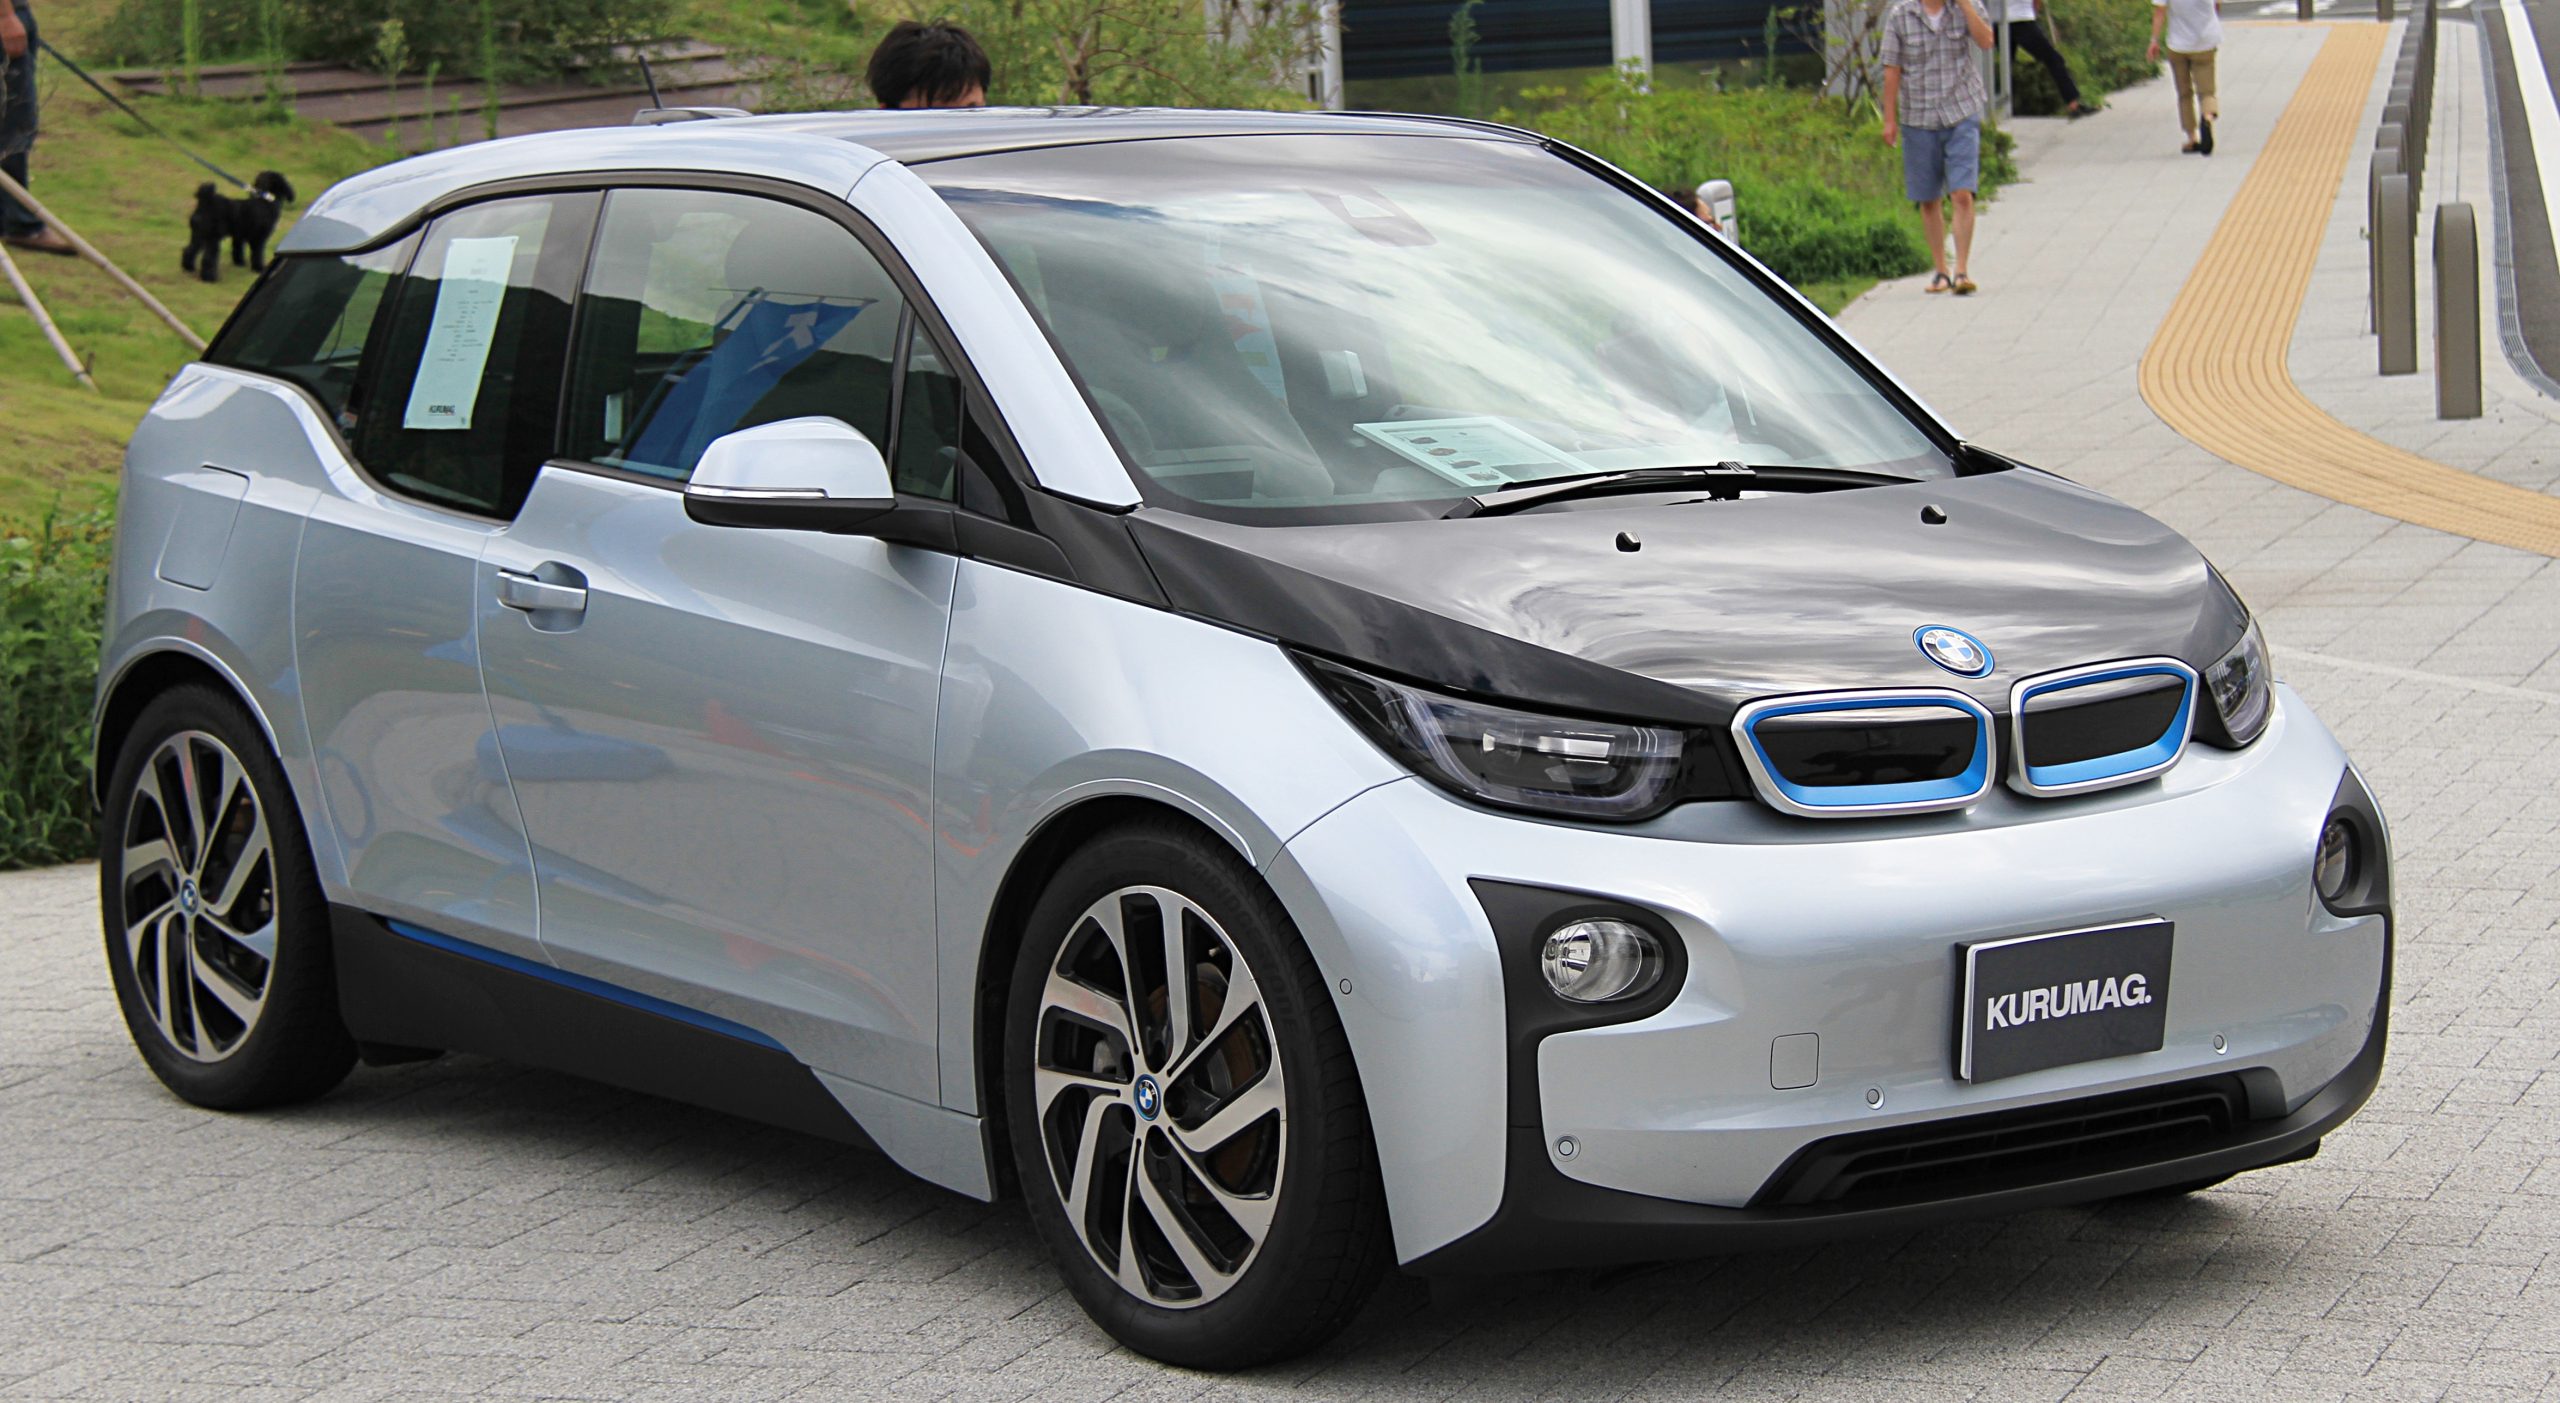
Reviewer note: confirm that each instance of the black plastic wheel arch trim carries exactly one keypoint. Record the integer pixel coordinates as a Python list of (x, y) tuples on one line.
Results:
[(415, 989)]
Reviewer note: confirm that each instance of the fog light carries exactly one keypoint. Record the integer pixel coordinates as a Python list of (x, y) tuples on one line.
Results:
[(1591, 962), (2334, 868)]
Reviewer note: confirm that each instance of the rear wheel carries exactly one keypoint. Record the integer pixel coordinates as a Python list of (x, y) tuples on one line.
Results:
[(217, 935), (1185, 1115)]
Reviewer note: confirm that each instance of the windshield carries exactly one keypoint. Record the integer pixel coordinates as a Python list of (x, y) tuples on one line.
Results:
[(1304, 328)]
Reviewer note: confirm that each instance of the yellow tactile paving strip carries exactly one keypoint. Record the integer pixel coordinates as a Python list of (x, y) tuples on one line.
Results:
[(2216, 371)]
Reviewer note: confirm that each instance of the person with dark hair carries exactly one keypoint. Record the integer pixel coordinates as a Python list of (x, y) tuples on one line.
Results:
[(1687, 197), (929, 64)]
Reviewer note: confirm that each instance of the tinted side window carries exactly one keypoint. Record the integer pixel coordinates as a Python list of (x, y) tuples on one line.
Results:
[(707, 312), (928, 421), (461, 412), (308, 322)]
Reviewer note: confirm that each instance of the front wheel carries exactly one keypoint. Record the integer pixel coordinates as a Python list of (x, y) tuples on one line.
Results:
[(1185, 1114)]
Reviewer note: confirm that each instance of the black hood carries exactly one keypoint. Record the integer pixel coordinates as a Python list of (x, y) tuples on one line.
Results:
[(1723, 602)]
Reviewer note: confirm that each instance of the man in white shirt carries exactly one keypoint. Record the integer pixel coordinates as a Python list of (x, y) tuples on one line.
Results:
[(2195, 38), (2026, 33)]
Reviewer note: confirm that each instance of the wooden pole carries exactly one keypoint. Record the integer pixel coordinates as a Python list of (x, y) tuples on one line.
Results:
[(44, 319), (18, 192)]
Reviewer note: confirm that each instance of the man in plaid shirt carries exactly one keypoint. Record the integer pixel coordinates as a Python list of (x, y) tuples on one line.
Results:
[(1933, 101)]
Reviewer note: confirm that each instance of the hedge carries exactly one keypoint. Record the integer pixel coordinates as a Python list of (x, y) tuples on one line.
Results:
[(53, 592)]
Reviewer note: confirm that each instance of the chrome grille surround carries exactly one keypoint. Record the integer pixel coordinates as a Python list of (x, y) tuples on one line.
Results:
[(1859, 801), (2128, 766)]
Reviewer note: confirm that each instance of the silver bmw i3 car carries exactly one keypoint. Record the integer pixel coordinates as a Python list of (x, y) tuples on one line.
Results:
[(1307, 693)]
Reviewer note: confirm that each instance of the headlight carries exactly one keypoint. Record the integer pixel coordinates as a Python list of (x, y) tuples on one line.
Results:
[(1517, 759), (2243, 692)]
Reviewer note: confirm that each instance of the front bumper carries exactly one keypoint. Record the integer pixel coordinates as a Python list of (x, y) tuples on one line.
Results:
[(1841, 929)]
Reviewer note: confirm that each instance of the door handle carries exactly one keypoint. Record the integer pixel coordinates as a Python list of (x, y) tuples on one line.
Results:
[(530, 593)]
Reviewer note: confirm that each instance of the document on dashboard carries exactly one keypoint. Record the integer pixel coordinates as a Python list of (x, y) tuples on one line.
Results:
[(1477, 453), (469, 296)]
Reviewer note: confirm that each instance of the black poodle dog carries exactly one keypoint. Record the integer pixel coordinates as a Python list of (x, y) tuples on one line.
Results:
[(246, 222)]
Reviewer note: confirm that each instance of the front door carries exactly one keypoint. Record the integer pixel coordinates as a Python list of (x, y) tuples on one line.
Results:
[(722, 740)]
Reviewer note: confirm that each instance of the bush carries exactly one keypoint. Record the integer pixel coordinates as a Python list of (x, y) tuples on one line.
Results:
[(1808, 234), (534, 37), (2103, 42), (53, 591)]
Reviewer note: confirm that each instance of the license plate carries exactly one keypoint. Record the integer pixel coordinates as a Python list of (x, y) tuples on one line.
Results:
[(2038, 1001)]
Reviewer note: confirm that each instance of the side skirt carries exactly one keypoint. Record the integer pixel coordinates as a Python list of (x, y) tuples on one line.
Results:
[(417, 989)]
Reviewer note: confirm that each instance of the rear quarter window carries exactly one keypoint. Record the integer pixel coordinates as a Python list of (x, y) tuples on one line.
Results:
[(309, 320)]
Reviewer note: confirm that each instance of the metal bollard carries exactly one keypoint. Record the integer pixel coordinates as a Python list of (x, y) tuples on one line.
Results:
[(2457, 313), (2392, 142), (2395, 257), (2302, 9), (2385, 162), (2383, 8)]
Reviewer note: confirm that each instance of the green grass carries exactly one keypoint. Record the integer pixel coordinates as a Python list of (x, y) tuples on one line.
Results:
[(1833, 294), (129, 195)]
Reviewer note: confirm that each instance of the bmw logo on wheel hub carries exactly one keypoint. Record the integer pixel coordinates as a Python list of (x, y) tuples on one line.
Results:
[(1955, 650), (1149, 1098), (187, 897)]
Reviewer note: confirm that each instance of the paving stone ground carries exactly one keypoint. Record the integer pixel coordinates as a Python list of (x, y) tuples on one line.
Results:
[(465, 1229)]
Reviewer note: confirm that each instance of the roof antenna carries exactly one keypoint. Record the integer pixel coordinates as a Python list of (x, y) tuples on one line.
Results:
[(651, 79)]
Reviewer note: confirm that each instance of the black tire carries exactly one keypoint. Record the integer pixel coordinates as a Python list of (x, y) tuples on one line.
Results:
[(293, 1046), (1326, 1244)]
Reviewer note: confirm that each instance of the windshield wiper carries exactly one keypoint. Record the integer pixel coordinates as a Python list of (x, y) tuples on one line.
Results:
[(1724, 482)]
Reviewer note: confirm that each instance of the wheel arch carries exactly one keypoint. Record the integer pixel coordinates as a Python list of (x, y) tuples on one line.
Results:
[(1055, 839), (149, 674)]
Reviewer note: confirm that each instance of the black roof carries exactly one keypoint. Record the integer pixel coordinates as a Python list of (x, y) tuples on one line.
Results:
[(911, 137)]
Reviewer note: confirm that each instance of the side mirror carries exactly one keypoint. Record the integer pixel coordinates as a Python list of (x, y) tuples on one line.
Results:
[(812, 474)]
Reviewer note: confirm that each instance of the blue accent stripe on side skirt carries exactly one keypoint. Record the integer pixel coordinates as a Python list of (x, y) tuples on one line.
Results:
[(628, 998)]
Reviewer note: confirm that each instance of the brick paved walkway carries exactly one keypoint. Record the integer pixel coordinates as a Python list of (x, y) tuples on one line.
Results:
[(466, 1228)]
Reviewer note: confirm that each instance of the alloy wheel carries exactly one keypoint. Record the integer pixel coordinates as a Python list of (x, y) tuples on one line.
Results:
[(1159, 1096), (198, 881)]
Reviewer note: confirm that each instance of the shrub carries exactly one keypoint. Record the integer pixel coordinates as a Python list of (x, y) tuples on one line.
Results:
[(53, 590), (536, 37), (1807, 234), (1820, 192), (1136, 53)]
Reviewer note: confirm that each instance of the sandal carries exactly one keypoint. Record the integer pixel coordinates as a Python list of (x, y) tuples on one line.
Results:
[(2190, 149), (1938, 284), (1964, 285)]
